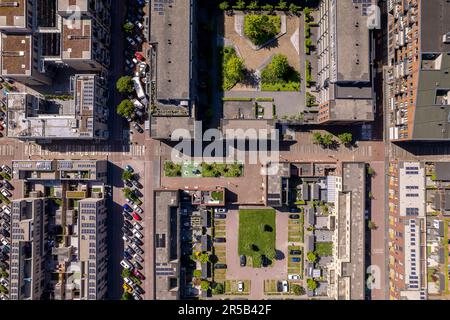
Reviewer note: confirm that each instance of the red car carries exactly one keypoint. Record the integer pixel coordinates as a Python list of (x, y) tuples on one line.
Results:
[(136, 217), (139, 56), (138, 274)]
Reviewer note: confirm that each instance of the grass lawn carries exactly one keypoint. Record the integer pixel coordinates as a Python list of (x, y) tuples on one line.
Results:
[(172, 169), (256, 234), (281, 86), (222, 170), (191, 170), (324, 249)]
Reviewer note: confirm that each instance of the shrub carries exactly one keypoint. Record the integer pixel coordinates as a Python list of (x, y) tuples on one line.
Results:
[(197, 273), (240, 5), (172, 169), (253, 5), (233, 69), (260, 28), (294, 9), (310, 100), (125, 108), (127, 175), (312, 284), (267, 7), (125, 84), (128, 27), (224, 6), (346, 138), (371, 225), (205, 285), (126, 296), (298, 290), (282, 5), (312, 257), (218, 288)]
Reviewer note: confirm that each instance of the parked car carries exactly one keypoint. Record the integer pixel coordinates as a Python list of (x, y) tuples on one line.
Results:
[(221, 210), (138, 274), (126, 255), (126, 238), (295, 252), (8, 185), (220, 216), (220, 266), (6, 193), (6, 217), (128, 281), (130, 250), (294, 277), (220, 240), (129, 168), (138, 258), (240, 286), (126, 264), (139, 25), (138, 39), (4, 241), (137, 226), (137, 248), (136, 217), (294, 216), (137, 234), (138, 288), (137, 265), (127, 208), (127, 215), (296, 259), (7, 169), (127, 288), (242, 260), (128, 224), (4, 232), (136, 296), (136, 184), (127, 232), (137, 209), (138, 127), (284, 286), (6, 209), (138, 241), (294, 210), (128, 184), (129, 201), (139, 56), (131, 41)]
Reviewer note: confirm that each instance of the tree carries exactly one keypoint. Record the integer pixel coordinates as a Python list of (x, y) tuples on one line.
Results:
[(205, 285), (240, 5), (346, 138), (282, 5), (218, 288), (267, 7), (317, 138), (234, 69), (125, 108), (260, 28), (127, 175), (125, 84), (3, 289), (278, 70), (294, 9), (197, 273), (327, 140), (371, 225), (307, 13), (126, 273), (298, 290), (371, 171), (311, 256), (204, 257), (126, 296), (253, 5), (312, 284), (128, 27), (224, 6)]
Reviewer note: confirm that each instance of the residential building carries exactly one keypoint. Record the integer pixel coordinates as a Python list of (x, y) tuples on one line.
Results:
[(407, 231), (417, 79), (344, 66), (172, 66), (59, 231), (167, 267), (82, 116)]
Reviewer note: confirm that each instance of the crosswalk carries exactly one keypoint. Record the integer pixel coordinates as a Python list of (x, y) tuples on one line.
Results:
[(6, 150), (133, 150)]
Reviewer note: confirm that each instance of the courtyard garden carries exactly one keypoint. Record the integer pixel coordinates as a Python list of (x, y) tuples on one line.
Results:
[(257, 235), (261, 28), (233, 69), (205, 170), (278, 75)]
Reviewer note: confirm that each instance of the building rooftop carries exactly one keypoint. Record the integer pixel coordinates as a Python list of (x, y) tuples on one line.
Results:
[(442, 171), (76, 38), (12, 13), (16, 54), (171, 35), (72, 5), (164, 127)]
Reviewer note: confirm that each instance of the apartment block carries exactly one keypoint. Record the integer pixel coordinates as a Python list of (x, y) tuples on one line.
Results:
[(173, 50), (59, 230), (83, 116), (345, 51), (417, 79), (407, 231), (17, 16)]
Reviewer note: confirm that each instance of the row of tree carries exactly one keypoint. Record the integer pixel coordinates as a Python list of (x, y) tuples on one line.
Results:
[(254, 5)]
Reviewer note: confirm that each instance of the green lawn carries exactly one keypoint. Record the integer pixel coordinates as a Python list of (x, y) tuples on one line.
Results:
[(286, 86), (295, 267), (324, 249), (295, 229), (257, 234)]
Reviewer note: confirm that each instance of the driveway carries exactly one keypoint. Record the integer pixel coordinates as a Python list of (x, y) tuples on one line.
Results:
[(278, 271)]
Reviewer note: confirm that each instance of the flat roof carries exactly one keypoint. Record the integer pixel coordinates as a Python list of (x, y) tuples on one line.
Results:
[(71, 5), (12, 13), (16, 54), (435, 23), (164, 127), (352, 42), (170, 31), (76, 38)]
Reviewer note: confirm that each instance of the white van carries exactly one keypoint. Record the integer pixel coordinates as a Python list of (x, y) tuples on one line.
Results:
[(126, 264)]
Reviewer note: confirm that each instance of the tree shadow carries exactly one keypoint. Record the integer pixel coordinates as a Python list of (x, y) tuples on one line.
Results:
[(279, 255)]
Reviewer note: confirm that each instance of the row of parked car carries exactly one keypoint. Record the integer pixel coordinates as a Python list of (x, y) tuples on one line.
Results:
[(5, 228), (133, 236)]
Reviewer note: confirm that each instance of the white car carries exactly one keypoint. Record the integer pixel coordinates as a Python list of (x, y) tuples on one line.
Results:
[(137, 209), (128, 281), (4, 241), (130, 202), (138, 258), (221, 210), (293, 277), (138, 104), (139, 25), (126, 264), (137, 225), (126, 238), (6, 169), (240, 286), (6, 193), (284, 285), (137, 234), (4, 282), (6, 209)]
